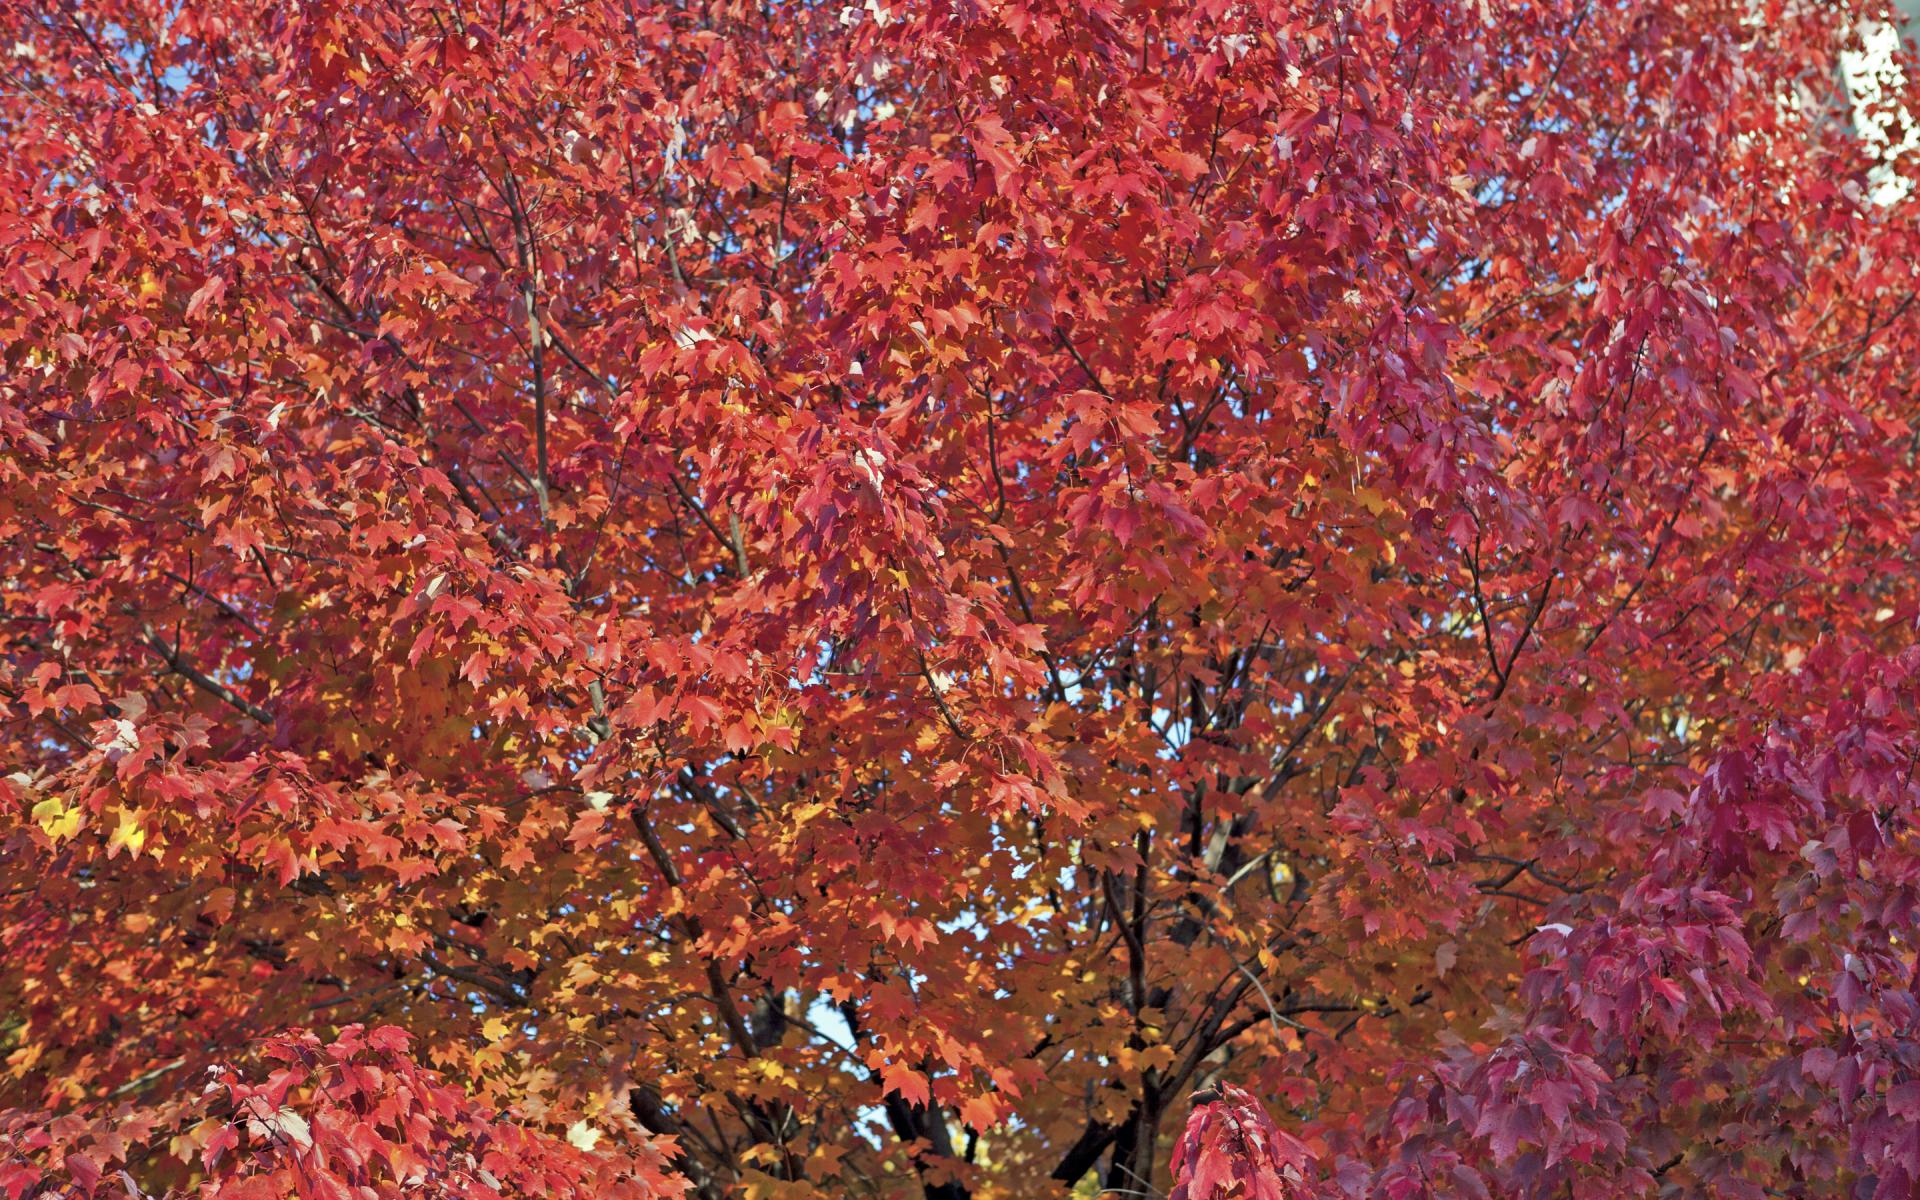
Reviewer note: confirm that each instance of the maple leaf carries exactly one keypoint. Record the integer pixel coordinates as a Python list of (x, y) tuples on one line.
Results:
[(903, 1081)]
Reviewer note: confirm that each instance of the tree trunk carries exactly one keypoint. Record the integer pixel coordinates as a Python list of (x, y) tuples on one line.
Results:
[(1130, 1170)]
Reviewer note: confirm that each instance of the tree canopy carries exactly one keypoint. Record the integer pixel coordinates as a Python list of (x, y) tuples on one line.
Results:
[(652, 598)]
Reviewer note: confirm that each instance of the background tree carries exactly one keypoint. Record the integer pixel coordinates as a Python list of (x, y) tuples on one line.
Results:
[(869, 596)]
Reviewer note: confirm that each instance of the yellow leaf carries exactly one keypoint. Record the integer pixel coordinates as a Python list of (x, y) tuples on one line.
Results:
[(803, 813), (56, 820), (583, 1135), (127, 834)]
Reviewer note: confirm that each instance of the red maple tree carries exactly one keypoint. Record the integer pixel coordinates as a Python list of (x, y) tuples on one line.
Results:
[(637, 598)]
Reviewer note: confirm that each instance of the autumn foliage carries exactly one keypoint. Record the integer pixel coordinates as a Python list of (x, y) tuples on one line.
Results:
[(1230, 1149), (629, 598)]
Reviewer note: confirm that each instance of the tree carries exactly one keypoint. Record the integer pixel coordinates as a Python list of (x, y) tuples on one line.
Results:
[(628, 598)]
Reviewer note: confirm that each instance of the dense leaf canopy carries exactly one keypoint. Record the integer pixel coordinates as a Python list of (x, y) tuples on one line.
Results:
[(633, 598)]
